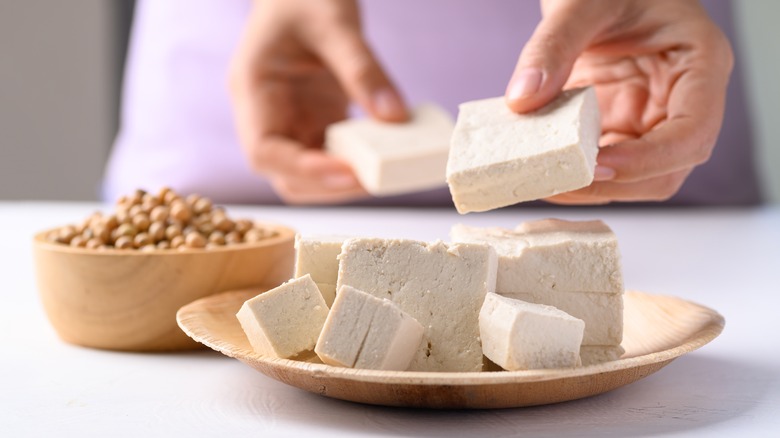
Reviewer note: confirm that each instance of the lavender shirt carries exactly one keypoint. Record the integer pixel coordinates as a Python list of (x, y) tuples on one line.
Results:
[(177, 127)]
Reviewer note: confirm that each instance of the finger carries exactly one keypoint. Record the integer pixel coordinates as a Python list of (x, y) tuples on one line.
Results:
[(318, 179), (547, 58), (297, 193), (282, 157), (566, 199), (611, 137), (655, 189), (345, 52), (312, 177)]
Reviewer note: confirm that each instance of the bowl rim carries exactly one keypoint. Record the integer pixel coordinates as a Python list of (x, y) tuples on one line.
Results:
[(285, 234)]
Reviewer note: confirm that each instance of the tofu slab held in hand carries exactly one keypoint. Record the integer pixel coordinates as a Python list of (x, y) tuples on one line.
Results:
[(499, 158), (395, 158)]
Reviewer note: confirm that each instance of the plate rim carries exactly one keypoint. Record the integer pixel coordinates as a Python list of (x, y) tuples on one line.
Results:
[(711, 330)]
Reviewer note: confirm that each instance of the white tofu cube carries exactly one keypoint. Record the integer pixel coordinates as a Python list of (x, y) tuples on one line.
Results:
[(441, 286), (499, 158), (366, 332), (522, 336), (552, 255), (395, 158), (286, 320), (318, 257), (602, 313)]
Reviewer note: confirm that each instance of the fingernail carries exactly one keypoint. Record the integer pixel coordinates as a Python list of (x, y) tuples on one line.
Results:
[(525, 84), (388, 105), (603, 173), (339, 181)]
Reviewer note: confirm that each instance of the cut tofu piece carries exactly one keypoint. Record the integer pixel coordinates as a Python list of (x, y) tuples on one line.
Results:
[(286, 320), (366, 332), (318, 257), (552, 255), (602, 313), (394, 158), (595, 354), (440, 285), (517, 335), (499, 158)]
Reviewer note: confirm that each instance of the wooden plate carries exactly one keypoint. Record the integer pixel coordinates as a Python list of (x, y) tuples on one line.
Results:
[(657, 330)]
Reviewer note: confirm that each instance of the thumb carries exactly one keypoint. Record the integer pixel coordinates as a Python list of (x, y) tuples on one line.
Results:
[(358, 71), (567, 29)]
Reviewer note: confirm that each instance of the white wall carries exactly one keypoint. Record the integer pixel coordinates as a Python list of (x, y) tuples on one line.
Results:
[(58, 75), (757, 21)]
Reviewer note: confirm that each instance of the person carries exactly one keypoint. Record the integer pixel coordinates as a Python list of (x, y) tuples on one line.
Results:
[(661, 70)]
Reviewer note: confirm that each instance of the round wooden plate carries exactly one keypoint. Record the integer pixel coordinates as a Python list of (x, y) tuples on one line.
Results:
[(657, 330)]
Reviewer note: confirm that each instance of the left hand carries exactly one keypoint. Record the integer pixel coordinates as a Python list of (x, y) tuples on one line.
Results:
[(660, 69), (297, 67)]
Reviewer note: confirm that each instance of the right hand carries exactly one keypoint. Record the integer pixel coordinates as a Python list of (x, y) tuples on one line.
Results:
[(660, 69), (298, 65)]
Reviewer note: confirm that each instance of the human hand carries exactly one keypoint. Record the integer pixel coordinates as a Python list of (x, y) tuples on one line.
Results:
[(660, 69), (297, 66)]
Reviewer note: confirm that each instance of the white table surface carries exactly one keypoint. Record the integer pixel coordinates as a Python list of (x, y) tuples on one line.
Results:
[(727, 259)]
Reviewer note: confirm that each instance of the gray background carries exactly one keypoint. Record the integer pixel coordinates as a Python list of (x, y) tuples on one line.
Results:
[(60, 75)]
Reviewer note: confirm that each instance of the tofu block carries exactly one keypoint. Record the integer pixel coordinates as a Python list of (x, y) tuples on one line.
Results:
[(440, 285), (517, 335), (552, 255), (499, 158), (602, 313), (318, 257), (286, 320), (596, 354), (366, 332), (394, 158)]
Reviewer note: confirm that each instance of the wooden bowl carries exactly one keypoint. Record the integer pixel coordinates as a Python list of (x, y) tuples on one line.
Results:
[(127, 299), (657, 329)]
